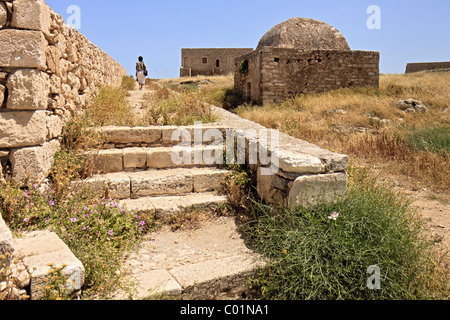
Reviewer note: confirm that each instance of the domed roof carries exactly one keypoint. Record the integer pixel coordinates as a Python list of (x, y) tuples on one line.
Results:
[(304, 34)]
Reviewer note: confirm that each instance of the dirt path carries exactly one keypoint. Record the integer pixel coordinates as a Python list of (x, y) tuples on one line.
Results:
[(139, 100)]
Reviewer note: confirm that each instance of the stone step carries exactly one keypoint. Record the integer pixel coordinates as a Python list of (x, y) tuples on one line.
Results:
[(151, 183), (40, 250), (122, 137), (168, 205), (136, 158), (205, 263)]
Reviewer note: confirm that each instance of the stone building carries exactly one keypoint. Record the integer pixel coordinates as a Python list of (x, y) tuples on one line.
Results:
[(299, 56), (209, 62)]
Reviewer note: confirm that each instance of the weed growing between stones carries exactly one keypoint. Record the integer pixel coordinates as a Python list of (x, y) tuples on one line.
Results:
[(315, 257)]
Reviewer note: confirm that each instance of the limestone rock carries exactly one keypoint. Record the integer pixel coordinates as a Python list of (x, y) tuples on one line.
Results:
[(41, 248), (411, 106), (2, 94), (54, 127), (22, 49), (311, 190), (28, 89), (3, 14), (31, 15), (6, 243), (33, 164), (304, 34), (22, 129)]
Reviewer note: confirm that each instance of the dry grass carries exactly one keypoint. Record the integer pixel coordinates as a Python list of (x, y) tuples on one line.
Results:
[(215, 81), (365, 123)]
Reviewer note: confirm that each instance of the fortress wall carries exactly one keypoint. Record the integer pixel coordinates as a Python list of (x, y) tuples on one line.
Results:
[(426, 66), (48, 71)]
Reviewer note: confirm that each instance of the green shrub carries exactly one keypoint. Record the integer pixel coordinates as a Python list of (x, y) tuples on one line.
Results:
[(430, 139), (315, 257), (98, 231)]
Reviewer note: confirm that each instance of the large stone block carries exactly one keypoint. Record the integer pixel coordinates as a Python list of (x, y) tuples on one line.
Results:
[(106, 161), (33, 164), (28, 89), (22, 49), (40, 250), (311, 190), (22, 129), (31, 15)]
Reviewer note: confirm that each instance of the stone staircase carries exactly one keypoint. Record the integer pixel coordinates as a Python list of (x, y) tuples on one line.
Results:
[(136, 167)]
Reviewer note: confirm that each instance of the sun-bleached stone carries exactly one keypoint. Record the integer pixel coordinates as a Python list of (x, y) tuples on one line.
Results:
[(28, 89), (22, 129)]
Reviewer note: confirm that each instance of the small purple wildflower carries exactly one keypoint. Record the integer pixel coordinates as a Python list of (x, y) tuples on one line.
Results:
[(26, 193), (52, 203), (110, 232), (73, 219)]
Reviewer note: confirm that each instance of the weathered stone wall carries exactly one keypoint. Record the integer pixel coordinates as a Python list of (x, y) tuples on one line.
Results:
[(192, 61), (48, 70), (426, 66), (283, 73)]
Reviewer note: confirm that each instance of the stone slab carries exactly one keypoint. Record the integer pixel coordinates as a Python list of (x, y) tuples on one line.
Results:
[(31, 15), (198, 274), (40, 249), (158, 284), (311, 190), (125, 135), (28, 89), (22, 129), (33, 163), (22, 49)]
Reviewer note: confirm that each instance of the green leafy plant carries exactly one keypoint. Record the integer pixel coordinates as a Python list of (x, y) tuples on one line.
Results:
[(324, 252), (243, 66)]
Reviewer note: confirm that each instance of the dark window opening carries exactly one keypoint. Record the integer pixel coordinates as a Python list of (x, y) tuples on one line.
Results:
[(276, 59), (205, 60), (217, 63)]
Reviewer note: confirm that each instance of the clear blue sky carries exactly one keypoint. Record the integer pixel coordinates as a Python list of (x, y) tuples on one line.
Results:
[(411, 31)]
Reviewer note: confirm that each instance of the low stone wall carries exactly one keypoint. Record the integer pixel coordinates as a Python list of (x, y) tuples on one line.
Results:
[(275, 74), (48, 71), (427, 66), (289, 171)]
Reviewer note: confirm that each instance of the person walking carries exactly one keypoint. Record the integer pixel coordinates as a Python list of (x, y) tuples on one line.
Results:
[(141, 72)]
